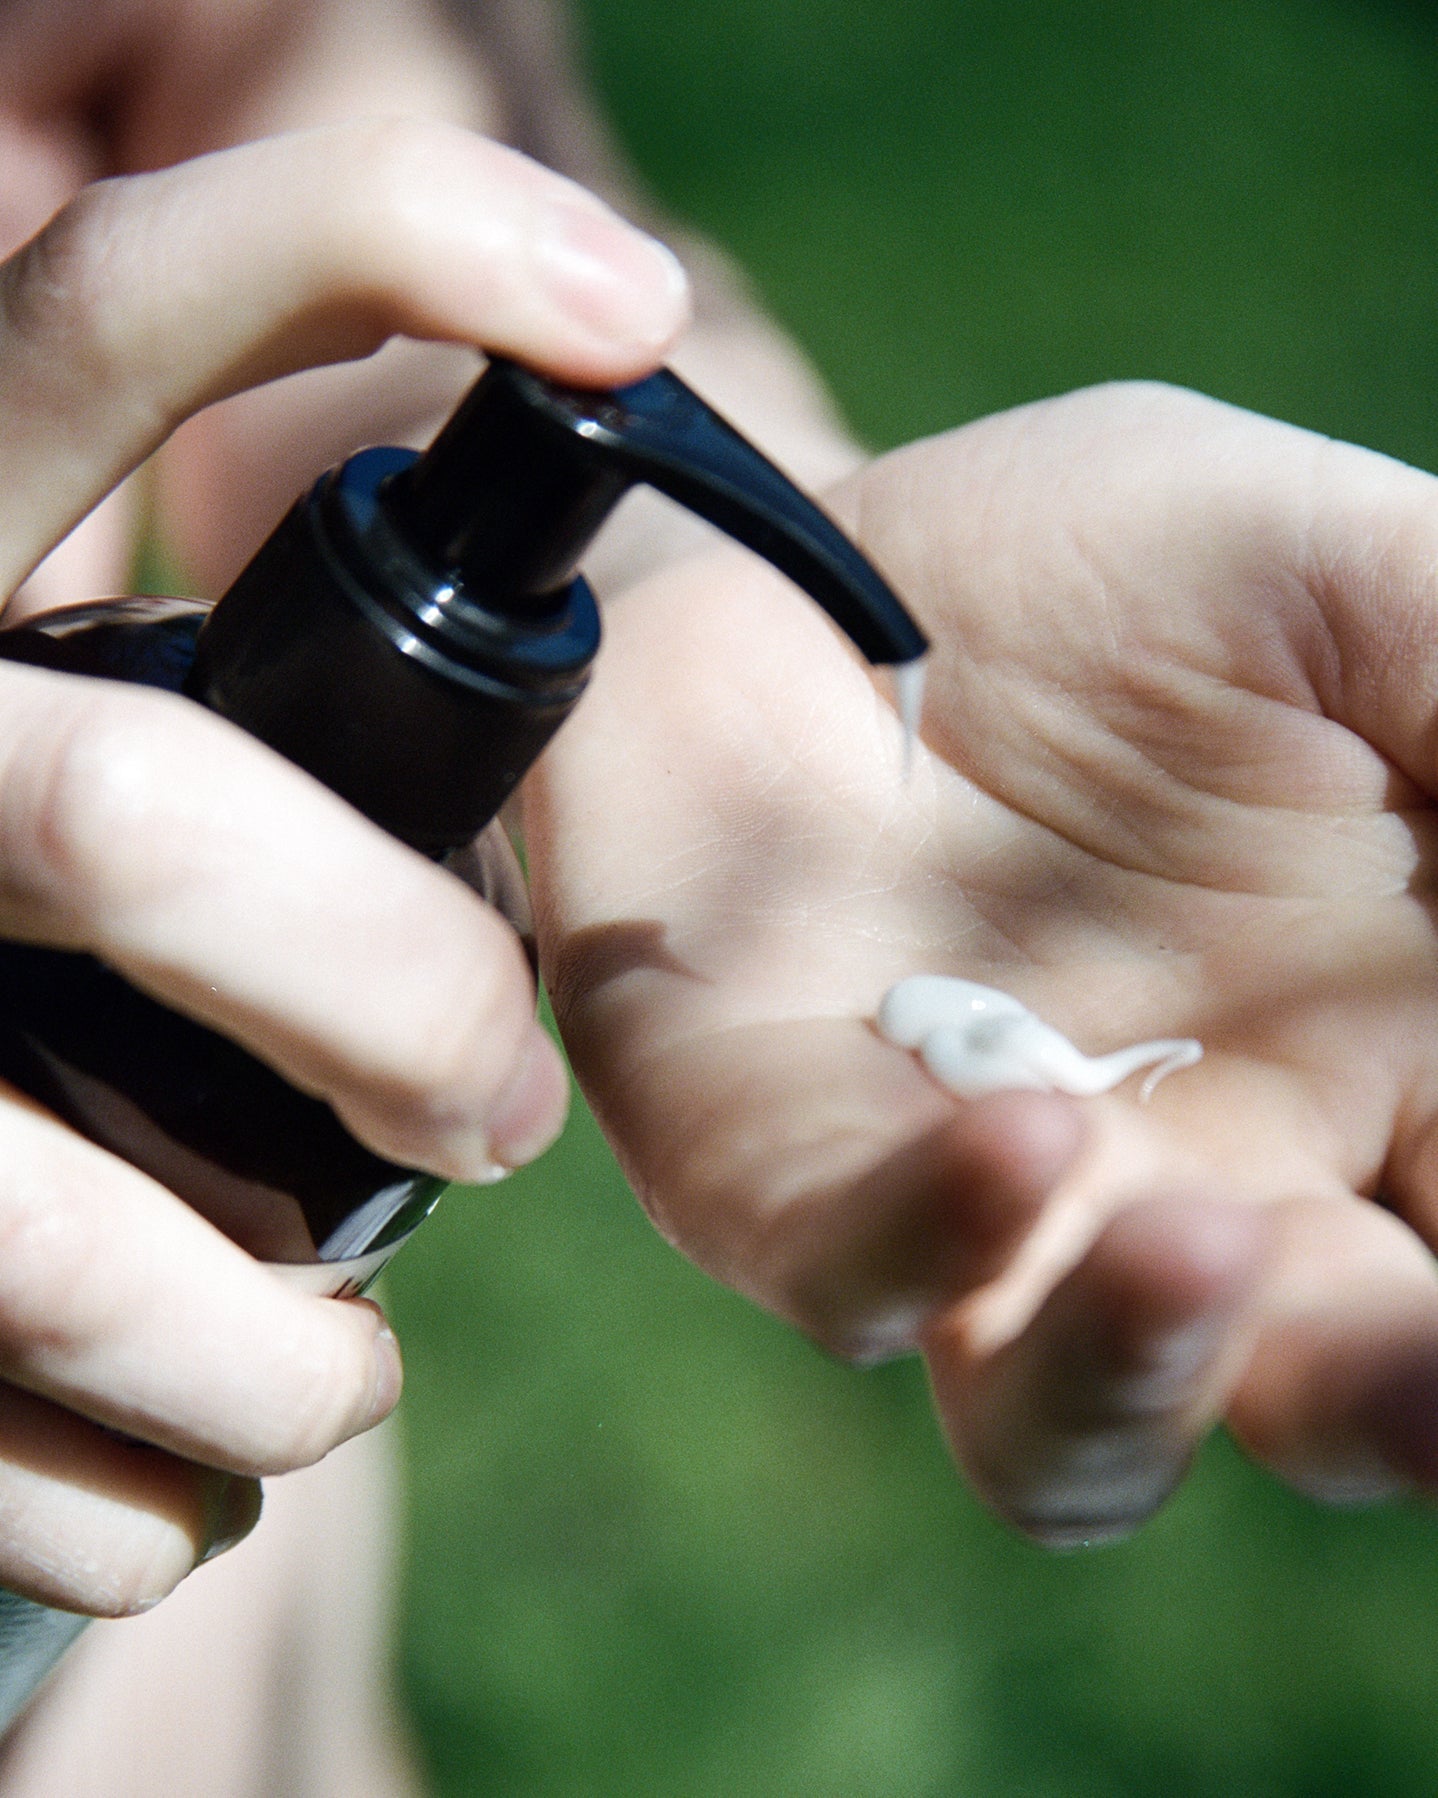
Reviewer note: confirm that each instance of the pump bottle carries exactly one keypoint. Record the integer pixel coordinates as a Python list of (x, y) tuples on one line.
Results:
[(412, 634)]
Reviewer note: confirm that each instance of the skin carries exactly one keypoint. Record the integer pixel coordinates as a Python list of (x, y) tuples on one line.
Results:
[(1178, 781), (122, 86), (214, 875)]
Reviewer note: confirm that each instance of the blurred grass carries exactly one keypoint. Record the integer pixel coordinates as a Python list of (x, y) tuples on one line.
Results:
[(660, 1546)]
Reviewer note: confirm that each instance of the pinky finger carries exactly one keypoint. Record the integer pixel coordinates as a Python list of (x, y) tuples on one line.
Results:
[(1078, 1429)]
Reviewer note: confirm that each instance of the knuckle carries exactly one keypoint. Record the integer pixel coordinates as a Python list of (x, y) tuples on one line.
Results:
[(52, 284), (57, 295), (86, 824), (53, 1292)]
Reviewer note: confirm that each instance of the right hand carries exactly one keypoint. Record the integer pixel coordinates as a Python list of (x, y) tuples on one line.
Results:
[(151, 1371), (1178, 780)]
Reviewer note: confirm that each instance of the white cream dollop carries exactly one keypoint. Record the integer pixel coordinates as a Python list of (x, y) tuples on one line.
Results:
[(976, 1040)]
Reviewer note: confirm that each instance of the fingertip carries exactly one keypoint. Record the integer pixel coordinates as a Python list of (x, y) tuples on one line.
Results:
[(625, 290), (233, 1505), (1397, 1419), (1077, 1429), (531, 1108), (1406, 1438), (867, 1270), (1340, 1396), (389, 1373), (1068, 1539)]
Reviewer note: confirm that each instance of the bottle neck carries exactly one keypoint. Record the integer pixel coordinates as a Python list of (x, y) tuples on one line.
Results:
[(505, 501), (339, 648)]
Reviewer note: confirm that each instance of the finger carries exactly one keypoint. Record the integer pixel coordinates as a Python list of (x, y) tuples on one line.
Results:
[(1341, 1396), (1081, 1426), (148, 297), (137, 826), (228, 473), (825, 1176), (129, 1309), (97, 1523), (865, 1268)]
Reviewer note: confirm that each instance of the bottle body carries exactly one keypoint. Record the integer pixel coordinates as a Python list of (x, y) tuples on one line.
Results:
[(270, 1167), (412, 635), (168, 1095)]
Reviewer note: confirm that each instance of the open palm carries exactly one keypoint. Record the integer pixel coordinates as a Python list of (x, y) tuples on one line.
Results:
[(1177, 781)]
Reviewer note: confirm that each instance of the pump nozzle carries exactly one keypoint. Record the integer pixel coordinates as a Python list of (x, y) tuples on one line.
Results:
[(517, 484), (414, 633)]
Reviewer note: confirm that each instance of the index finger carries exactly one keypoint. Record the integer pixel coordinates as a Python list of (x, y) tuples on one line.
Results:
[(150, 296)]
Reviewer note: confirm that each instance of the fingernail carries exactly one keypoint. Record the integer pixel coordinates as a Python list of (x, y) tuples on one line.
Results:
[(529, 1112), (389, 1370), (489, 1175), (232, 1511), (610, 277)]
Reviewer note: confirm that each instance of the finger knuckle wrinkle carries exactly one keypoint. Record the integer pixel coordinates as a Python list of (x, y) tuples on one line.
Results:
[(59, 290)]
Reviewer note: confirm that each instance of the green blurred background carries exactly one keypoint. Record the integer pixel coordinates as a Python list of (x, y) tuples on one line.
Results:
[(660, 1546)]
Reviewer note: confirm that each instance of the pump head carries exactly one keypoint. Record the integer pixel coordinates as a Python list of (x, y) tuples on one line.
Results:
[(414, 632)]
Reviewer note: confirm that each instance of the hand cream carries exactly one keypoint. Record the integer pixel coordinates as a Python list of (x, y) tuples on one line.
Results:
[(977, 1040)]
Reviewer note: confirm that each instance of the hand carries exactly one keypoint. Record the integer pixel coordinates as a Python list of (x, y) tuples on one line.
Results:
[(1178, 781), (92, 88), (210, 872)]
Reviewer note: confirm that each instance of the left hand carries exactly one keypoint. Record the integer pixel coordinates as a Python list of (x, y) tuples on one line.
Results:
[(1179, 779)]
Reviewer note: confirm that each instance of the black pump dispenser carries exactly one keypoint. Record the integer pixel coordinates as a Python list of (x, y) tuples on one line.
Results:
[(414, 632), (551, 462)]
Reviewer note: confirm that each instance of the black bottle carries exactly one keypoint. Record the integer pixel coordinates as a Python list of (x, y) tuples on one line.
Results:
[(412, 634)]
